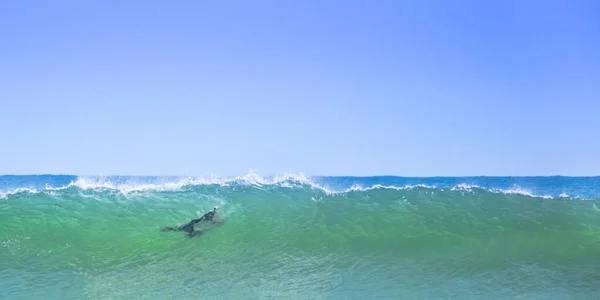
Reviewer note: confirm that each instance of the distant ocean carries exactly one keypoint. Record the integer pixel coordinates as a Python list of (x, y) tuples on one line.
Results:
[(298, 237)]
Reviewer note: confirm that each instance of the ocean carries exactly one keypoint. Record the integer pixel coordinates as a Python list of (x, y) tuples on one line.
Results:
[(300, 237)]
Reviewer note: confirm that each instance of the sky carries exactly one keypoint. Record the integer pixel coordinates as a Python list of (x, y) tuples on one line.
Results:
[(407, 88)]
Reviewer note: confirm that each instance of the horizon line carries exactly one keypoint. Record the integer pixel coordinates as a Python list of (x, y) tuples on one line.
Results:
[(302, 174)]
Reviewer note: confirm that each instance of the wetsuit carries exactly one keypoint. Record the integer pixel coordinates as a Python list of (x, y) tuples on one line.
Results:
[(189, 227)]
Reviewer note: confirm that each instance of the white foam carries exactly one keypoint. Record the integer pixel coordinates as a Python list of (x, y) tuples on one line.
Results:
[(174, 184), (128, 185), (465, 187), (459, 187), (358, 188), (514, 191), (5, 194), (131, 186)]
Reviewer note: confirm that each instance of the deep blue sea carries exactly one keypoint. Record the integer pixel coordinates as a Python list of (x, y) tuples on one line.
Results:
[(299, 237)]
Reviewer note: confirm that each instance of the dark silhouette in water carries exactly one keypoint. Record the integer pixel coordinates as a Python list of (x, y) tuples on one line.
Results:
[(189, 227)]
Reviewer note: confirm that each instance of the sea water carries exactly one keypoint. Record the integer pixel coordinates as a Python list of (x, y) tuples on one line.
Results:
[(298, 237)]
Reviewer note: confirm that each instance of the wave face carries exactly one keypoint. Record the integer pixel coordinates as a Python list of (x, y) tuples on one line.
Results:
[(296, 237)]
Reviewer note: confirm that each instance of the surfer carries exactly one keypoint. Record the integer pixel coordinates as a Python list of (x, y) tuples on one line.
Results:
[(189, 227)]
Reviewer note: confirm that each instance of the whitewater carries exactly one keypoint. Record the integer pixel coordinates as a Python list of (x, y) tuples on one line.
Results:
[(300, 237)]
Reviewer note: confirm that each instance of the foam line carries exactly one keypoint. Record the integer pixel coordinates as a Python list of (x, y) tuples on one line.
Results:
[(126, 185)]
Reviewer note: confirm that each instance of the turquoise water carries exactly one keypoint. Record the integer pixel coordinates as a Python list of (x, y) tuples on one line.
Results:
[(68, 237)]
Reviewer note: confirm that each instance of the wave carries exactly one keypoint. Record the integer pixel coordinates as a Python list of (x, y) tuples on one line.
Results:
[(130, 184), (103, 235)]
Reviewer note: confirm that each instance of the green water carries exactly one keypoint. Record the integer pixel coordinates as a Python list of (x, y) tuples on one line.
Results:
[(298, 243)]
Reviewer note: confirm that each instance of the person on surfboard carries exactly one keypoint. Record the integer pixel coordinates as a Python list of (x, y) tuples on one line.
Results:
[(189, 227)]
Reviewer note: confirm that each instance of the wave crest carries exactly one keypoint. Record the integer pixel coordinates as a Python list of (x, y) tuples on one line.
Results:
[(127, 185)]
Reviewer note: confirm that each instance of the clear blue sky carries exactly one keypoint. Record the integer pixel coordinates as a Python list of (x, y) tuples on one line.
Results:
[(413, 88)]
